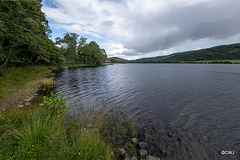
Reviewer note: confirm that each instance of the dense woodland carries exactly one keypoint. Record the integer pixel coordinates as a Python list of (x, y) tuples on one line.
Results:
[(77, 50), (25, 38)]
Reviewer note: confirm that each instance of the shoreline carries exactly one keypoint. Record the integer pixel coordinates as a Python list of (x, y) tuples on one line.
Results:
[(23, 110)]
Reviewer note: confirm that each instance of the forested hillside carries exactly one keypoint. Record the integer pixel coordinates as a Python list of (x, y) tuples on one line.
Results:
[(223, 52)]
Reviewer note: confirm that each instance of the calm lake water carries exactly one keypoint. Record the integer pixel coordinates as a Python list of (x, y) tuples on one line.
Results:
[(198, 103)]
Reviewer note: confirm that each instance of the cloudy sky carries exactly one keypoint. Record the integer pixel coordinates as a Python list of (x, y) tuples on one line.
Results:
[(134, 29)]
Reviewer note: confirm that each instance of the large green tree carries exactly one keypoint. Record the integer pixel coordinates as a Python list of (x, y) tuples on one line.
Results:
[(25, 34), (68, 44), (92, 54)]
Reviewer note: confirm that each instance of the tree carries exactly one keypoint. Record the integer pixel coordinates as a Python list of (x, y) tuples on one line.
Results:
[(68, 45), (92, 54), (25, 34)]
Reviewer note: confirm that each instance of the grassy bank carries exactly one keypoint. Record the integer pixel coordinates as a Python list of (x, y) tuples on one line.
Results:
[(220, 61), (39, 133), (78, 65), (41, 130), (17, 83)]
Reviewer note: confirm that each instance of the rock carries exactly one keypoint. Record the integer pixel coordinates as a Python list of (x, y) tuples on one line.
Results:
[(143, 152), (179, 139), (126, 158), (28, 103), (122, 151), (152, 158), (20, 106), (3, 109), (134, 140), (133, 158), (164, 152), (143, 145), (169, 134)]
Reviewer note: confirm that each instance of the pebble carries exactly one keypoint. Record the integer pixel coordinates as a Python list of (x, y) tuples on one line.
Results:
[(134, 140), (3, 109), (20, 105), (143, 152), (164, 152), (122, 151), (133, 158), (169, 134), (143, 145), (28, 103), (149, 157)]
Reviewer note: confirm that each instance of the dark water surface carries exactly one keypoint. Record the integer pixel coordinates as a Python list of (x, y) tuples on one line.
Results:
[(198, 103)]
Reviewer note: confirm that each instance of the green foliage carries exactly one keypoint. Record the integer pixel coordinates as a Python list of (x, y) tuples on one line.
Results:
[(57, 105), (92, 54), (118, 60), (24, 34), (35, 134), (68, 46), (78, 50)]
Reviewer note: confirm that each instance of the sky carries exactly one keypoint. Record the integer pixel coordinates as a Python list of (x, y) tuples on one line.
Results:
[(133, 29)]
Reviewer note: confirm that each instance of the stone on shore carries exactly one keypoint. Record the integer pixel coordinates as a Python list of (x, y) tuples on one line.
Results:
[(122, 151), (143, 152), (164, 152), (20, 106), (142, 145), (149, 157), (134, 140), (28, 103), (169, 134)]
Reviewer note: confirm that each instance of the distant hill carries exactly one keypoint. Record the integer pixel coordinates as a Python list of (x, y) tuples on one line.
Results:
[(117, 60), (223, 52)]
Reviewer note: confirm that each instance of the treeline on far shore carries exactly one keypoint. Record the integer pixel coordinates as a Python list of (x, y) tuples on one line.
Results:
[(207, 62)]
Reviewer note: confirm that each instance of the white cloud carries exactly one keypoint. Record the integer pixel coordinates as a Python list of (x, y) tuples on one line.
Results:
[(148, 27)]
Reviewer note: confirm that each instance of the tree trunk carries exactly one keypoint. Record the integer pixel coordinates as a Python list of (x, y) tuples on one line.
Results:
[(4, 64)]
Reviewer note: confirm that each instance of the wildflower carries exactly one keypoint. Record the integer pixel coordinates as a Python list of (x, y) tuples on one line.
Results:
[(79, 153), (28, 152), (32, 145)]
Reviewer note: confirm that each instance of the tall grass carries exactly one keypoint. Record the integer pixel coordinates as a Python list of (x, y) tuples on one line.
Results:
[(117, 130), (37, 134)]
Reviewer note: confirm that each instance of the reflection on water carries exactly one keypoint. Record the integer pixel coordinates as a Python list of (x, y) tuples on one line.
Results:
[(198, 103)]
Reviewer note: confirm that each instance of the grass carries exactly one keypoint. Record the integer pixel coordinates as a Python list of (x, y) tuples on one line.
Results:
[(220, 61), (117, 129), (41, 131), (16, 83), (37, 134)]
